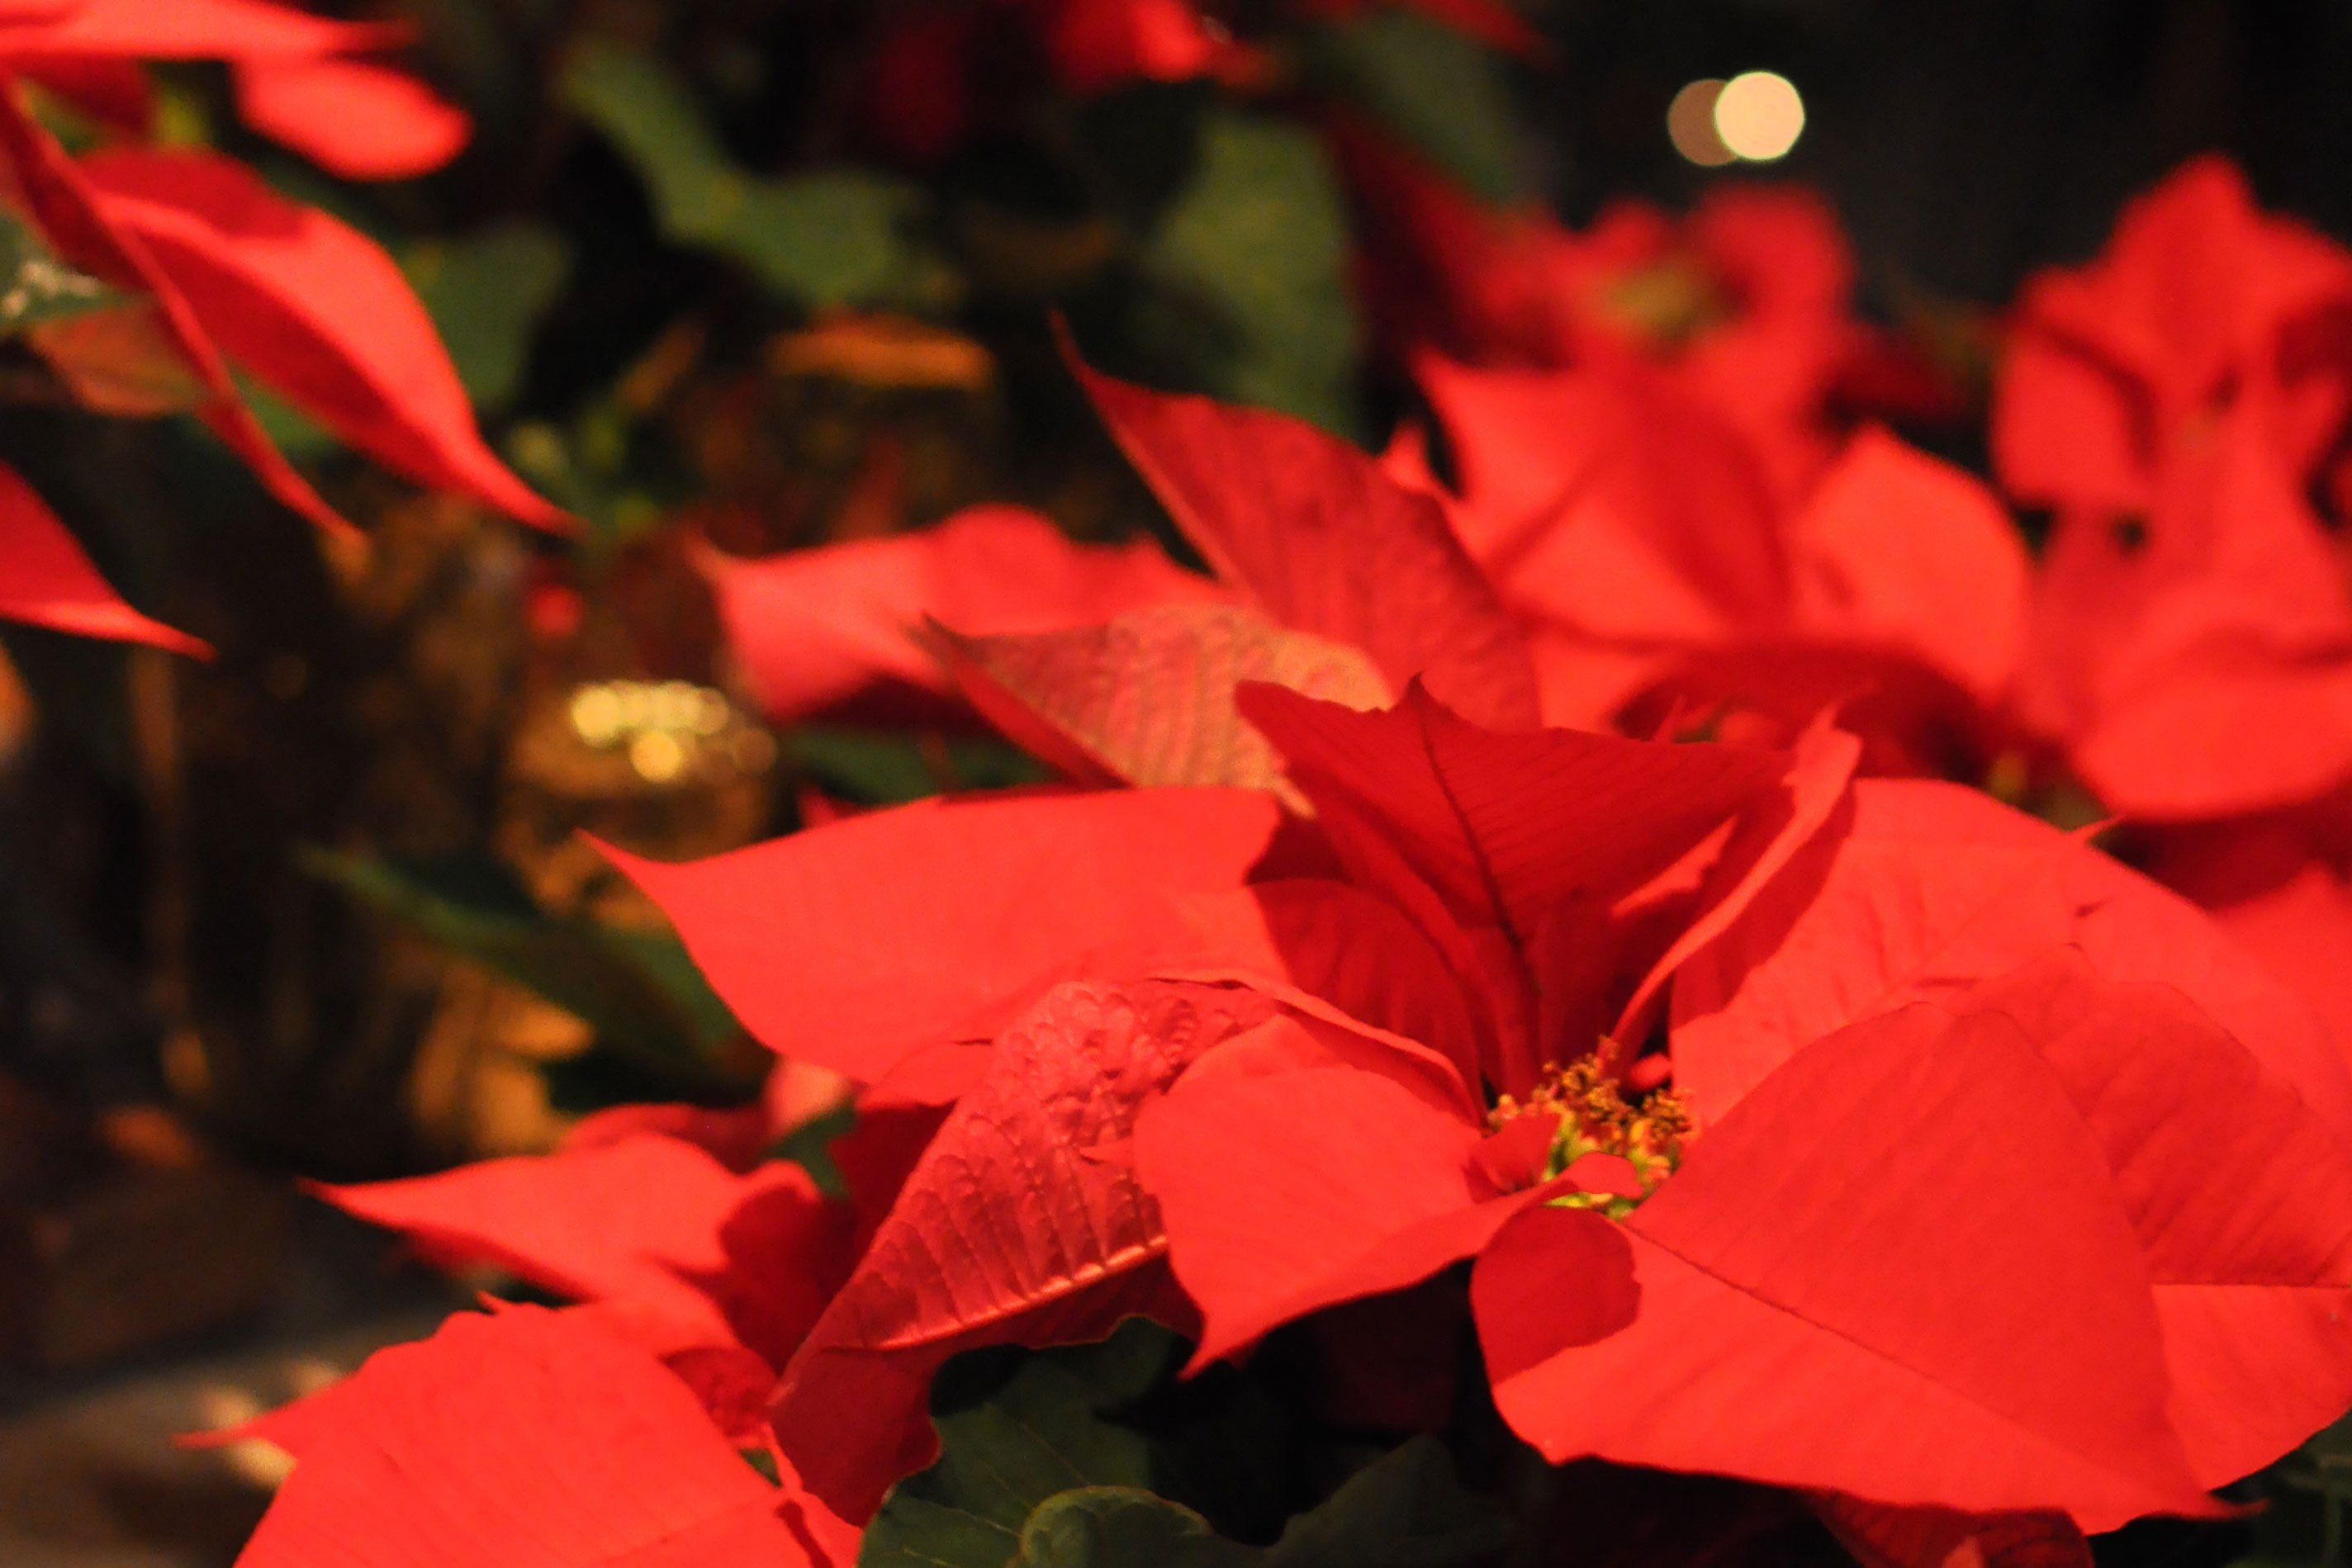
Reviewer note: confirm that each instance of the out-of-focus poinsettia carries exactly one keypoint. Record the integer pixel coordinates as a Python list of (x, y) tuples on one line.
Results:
[(2179, 405), (222, 268), (302, 80), (1747, 300), (1644, 542)]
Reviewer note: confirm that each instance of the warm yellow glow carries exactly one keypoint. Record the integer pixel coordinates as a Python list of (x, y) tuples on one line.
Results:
[(1759, 116), (1690, 124)]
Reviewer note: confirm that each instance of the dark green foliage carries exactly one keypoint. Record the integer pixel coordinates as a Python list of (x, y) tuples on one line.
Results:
[(659, 1031)]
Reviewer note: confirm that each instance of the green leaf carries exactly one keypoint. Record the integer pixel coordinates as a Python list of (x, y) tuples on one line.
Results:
[(1406, 1510), (1436, 89), (486, 293), (1008, 1442), (1248, 269), (636, 990), (1087, 1456), (834, 238), (1117, 1527), (35, 286)]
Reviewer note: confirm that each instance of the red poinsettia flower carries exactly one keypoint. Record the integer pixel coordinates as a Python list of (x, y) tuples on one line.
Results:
[(525, 1436), (1852, 1064), (47, 580)]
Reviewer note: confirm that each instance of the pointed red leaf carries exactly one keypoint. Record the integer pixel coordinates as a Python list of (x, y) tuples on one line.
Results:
[(1001, 898), (527, 1436), (1148, 698), (1324, 541), (68, 211), (640, 1226), (1895, 1270), (312, 307), (47, 580), (361, 121), (815, 629), (1023, 1223), (1477, 812), (1916, 891)]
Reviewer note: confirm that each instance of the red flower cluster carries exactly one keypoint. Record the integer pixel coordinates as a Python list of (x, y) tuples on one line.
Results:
[(1588, 896)]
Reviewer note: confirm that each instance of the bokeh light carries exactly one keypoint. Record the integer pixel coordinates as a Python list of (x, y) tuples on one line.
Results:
[(1758, 116), (1690, 124)]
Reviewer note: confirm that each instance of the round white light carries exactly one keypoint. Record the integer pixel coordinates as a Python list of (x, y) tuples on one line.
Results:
[(1759, 116)]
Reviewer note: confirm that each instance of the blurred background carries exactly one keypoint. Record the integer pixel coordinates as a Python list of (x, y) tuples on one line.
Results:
[(731, 278)]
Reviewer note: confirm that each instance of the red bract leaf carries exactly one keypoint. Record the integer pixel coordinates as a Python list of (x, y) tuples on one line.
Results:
[(527, 1436), (808, 938), (1097, 45), (1148, 698), (1478, 813), (1285, 1191), (2027, 1254), (114, 92), (68, 212), (1916, 892), (1324, 541), (312, 307), (641, 1226), (1897, 550), (358, 121), (816, 628), (189, 29), (1023, 1223), (47, 580)]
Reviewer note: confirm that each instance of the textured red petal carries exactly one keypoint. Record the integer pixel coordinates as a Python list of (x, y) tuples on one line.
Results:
[(1324, 541), (1895, 1270), (358, 121), (815, 629), (640, 1226), (1023, 1223), (1916, 891), (47, 580), (995, 899), (70, 214), (527, 1436), (313, 307), (1148, 698)]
